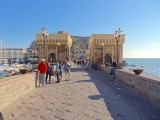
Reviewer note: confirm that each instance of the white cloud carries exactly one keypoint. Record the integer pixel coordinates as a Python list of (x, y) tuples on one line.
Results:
[(142, 54)]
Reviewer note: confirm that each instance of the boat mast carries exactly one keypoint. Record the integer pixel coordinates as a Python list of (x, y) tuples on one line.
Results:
[(12, 56), (18, 56), (3, 50)]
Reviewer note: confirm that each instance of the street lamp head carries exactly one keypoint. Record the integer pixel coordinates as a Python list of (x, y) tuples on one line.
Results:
[(43, 31), (116, 34), (47, 34), (119, 32)]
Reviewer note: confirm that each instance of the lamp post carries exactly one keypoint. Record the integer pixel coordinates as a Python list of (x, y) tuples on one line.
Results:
[(117, 35), (66, 51), (58, 44), (45, 35), (102, 45)]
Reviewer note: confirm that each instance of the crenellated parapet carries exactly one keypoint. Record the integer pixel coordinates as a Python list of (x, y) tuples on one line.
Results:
[(54, 38), (52, 51), (97, 47), (103, 48), (107, 39)]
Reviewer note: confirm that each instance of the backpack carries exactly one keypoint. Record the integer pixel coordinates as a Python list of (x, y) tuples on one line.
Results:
[(59, 66)]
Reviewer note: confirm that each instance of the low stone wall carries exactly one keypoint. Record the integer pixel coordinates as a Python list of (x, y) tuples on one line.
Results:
[(145, 85), (11, 88)]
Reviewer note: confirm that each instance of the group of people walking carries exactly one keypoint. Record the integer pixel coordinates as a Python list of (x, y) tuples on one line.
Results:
[(47, 70), (81, 62)]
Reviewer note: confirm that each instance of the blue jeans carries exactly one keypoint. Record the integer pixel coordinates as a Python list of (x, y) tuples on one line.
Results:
[(67, 74)]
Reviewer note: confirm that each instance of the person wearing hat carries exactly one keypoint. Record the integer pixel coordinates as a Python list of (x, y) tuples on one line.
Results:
[(42, 67)]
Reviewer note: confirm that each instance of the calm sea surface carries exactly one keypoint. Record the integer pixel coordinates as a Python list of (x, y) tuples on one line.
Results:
[(151, 66)]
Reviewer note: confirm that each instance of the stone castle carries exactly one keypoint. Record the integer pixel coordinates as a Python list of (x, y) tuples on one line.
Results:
[(89, 47)]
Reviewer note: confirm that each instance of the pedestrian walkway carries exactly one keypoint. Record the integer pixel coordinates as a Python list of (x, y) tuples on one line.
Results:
[(89, 95)]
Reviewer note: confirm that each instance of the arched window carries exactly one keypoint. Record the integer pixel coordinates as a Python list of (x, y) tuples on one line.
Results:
[(108, 59)]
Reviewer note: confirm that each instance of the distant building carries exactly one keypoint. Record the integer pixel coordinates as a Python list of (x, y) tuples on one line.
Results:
[(33, 45), (16, 55), (33, 52), (29, 53), (79, 46)]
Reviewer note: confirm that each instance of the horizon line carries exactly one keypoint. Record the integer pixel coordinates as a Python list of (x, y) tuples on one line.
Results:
[(142, 58)]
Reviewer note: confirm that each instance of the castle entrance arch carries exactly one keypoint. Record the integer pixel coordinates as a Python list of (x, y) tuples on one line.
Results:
[(52, 57), (108, 59)]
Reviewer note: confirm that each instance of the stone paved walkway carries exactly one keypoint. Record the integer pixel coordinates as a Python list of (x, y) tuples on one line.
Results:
[(90, 95)]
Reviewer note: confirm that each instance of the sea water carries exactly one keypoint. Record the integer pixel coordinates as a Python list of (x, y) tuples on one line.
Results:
[(151, 66)]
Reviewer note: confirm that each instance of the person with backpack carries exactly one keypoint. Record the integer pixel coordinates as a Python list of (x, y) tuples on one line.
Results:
[(67, 66), (74, 61), (61, 68), (58, 71), (49, 72), (78, 62), (113, 69), (83, 62)]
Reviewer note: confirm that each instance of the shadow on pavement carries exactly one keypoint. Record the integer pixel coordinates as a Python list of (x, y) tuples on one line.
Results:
[(1, 117), (81, 81), (85, 75), (120, 101), (76, 69)]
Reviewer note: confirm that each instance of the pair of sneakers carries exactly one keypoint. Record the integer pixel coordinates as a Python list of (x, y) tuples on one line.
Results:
[(58, 81)]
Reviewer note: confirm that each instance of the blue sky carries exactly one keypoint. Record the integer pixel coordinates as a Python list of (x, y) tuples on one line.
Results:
[(139, 20)]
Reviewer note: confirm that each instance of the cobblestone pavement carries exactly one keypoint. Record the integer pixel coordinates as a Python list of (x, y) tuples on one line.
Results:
[(89, 95)]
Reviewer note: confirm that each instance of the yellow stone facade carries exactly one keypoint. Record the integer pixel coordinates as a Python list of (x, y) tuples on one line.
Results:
[(108, 52), (51, 47), (94, 51)]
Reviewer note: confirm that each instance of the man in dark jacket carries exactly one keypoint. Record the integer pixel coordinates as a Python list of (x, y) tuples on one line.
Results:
[(114, 63), (49, 72), (114, 69), (58, 71)]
